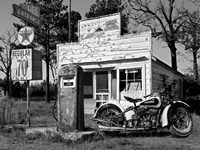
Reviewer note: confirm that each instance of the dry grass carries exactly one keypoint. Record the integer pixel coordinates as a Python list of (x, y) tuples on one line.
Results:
[(42, 115)]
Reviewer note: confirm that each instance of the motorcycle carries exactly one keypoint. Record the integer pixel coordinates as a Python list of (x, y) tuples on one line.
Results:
[(153, 113)]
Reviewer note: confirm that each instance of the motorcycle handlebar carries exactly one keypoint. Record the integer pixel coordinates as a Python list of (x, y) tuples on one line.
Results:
[(150, 94), (147, 95)]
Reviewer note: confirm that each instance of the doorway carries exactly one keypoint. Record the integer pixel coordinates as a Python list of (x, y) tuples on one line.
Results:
[(102, 81)]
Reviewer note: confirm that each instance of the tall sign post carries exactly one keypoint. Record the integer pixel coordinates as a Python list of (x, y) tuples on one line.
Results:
[(31, 14), (26, 63)]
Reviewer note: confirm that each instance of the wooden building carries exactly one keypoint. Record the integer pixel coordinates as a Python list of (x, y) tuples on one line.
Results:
[(115, 66)]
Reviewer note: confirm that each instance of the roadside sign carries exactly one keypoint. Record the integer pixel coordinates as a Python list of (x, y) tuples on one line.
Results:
[(25, 15), (25, 36), (21, 64), (26, 64)]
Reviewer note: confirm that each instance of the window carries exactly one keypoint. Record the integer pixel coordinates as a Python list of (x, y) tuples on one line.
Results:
[(131, 79)]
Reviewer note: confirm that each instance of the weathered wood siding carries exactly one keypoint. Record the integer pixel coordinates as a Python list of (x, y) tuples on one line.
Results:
[(125, 47), (160, 69), (147, 78)]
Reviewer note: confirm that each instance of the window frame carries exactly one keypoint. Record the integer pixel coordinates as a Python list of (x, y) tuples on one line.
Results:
[(134, 80)]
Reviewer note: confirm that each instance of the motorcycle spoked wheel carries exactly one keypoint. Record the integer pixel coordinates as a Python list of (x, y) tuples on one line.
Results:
[(109, 115), (182, 123)]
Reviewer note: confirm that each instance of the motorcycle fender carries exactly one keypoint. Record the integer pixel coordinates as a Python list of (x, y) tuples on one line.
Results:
[(108, 105), (166, 115), (181, 103)]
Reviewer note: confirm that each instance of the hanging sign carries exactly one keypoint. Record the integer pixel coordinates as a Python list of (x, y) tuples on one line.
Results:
[(25, 36)]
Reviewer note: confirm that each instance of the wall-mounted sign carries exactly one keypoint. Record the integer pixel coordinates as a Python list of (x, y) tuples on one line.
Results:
[(26, 64), (25, 36), (100, 29), (25, 15)]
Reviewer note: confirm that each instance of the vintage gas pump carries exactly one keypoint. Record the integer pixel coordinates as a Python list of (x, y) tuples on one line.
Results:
[(70, 98)]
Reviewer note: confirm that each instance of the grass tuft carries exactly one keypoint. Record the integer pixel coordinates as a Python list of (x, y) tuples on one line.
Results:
[(54, 138)]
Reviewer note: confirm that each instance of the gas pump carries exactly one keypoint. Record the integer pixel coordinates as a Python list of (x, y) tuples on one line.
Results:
[(70, 98)]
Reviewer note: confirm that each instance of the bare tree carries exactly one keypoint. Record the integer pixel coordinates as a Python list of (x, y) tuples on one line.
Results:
[(162, 17), (190, 36), (7, 43)]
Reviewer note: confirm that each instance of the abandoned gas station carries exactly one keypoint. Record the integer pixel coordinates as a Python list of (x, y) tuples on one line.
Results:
[(113, 65)]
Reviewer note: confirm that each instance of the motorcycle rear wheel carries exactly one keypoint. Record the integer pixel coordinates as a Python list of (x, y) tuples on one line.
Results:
[(182, 123), (109, 115), (112, 118)]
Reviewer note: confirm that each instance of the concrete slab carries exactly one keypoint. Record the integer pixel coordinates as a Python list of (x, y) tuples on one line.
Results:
[(76, 135), (44, 130)]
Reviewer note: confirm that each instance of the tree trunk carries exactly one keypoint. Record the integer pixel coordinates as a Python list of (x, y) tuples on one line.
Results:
[(8, 84), (195, 66), (52, 71), (173, 55), (47, 64)]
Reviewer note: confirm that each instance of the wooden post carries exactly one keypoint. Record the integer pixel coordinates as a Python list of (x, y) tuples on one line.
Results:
[(28, 105), (118, 84)]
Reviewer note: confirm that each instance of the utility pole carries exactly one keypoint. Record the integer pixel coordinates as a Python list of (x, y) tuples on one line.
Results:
[(69, 21)]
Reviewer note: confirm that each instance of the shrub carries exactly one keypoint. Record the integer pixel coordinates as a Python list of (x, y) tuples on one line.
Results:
[(191, 86), (37, 93), (9, 114)]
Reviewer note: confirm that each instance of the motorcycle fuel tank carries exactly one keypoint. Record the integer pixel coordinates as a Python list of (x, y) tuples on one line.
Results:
[(153, 102)]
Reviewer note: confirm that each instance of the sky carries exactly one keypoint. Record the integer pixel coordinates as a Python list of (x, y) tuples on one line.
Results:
[(7, 19), (160, 49)]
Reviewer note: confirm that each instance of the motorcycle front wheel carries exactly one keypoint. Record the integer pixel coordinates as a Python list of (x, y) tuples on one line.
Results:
[(182, 123)]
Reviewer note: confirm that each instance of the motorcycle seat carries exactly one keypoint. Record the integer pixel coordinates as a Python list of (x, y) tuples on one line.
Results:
[(133, 100)]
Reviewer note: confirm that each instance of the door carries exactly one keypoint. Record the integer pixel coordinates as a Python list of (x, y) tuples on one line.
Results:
[(102, 90)]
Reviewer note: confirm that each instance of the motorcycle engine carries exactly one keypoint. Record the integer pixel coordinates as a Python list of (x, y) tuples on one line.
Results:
[(145, 121), (145, 118)]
